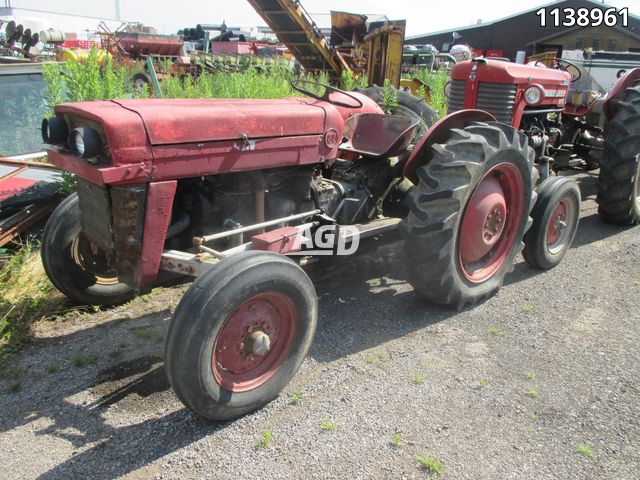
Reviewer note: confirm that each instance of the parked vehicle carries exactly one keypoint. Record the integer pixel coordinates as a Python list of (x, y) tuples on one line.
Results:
[(230, 191)]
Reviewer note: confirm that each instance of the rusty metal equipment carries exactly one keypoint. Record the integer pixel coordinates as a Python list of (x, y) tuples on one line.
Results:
[(24, 200), (374, 50)]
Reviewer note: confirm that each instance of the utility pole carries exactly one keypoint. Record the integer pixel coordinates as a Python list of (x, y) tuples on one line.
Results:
[(117, 9)]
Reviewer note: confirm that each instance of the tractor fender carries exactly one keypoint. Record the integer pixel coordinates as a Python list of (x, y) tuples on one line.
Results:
[(617, 93), (439, 133)]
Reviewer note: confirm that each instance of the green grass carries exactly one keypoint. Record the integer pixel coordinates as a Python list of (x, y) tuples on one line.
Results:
[(147, 333), (370, 360), (418, 379), (527, 308), (52, 367), (81, 360), (328, 426), (26, 295), (383, 356), (14, 386), (265, 441), (436, 82), (532, 391), (585, 450), (431, 464), (483, 383), (396, 440), (529, 375), (494, 330), (296, 398)]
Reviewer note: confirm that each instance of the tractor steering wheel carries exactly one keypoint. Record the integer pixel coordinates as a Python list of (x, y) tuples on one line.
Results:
[(295, 84), (569, 67)]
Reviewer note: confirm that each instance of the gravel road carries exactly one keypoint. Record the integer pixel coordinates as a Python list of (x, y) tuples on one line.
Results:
[(542, 381)]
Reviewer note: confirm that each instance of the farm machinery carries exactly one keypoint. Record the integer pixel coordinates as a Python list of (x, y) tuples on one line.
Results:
[(242, 193)]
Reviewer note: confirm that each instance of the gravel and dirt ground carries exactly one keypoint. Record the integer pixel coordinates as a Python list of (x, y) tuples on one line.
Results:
[(541, 381)]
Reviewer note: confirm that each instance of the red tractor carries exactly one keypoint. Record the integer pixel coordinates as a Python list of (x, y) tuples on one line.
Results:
[(240, 193)]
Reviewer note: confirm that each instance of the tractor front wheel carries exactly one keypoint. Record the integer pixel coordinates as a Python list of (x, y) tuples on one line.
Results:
[(74, 265), (468, 214), (619, 180), (555, 221), (240, 333)]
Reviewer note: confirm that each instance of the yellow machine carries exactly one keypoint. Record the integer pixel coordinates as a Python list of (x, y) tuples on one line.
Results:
[(374, 51)]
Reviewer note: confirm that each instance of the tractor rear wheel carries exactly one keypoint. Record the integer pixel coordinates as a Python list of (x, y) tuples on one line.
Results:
[(468, 214), (77, 268), (555, 222), (619, 180), (408, 106), (240, 333)]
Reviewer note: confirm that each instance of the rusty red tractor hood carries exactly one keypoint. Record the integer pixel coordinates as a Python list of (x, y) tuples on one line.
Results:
[(495, 77), (156, 139), (504, 72)]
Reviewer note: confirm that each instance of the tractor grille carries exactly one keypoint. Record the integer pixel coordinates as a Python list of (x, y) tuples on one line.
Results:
[(496, 98), (95, 214), (456, 98)]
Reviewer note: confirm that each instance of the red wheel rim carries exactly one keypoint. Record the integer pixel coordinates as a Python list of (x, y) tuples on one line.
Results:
[(239, 361), (490, 222), (557, 224)]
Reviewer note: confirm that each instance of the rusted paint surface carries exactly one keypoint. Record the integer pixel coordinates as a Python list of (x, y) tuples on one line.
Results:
[(11, 186), (156, 222), (128, 217), (124, 129), (95, 214), (191, 137), (282, 240), (618, 91), (133, 173), (203, 120), (439, 133), (181, 161)]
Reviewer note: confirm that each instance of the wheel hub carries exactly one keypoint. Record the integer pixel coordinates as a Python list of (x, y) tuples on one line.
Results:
[(484, 220), (557, 224), (257, 342), (254, 341)]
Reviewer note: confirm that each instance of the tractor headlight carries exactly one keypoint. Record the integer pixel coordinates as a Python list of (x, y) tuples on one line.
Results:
[(54, 131), (447, 89), (533, 95), (85, 142)]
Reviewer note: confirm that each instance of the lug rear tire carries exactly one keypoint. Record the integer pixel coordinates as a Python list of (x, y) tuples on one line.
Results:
[(408, 106), (619, 180), (215, 355), (555, 222), (73, 265), (468, 214)]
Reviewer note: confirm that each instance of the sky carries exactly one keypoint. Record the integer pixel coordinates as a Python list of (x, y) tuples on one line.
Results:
[(423, 16)]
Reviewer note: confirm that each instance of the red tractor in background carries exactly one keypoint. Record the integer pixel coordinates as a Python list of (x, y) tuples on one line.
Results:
[(226, 190)]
